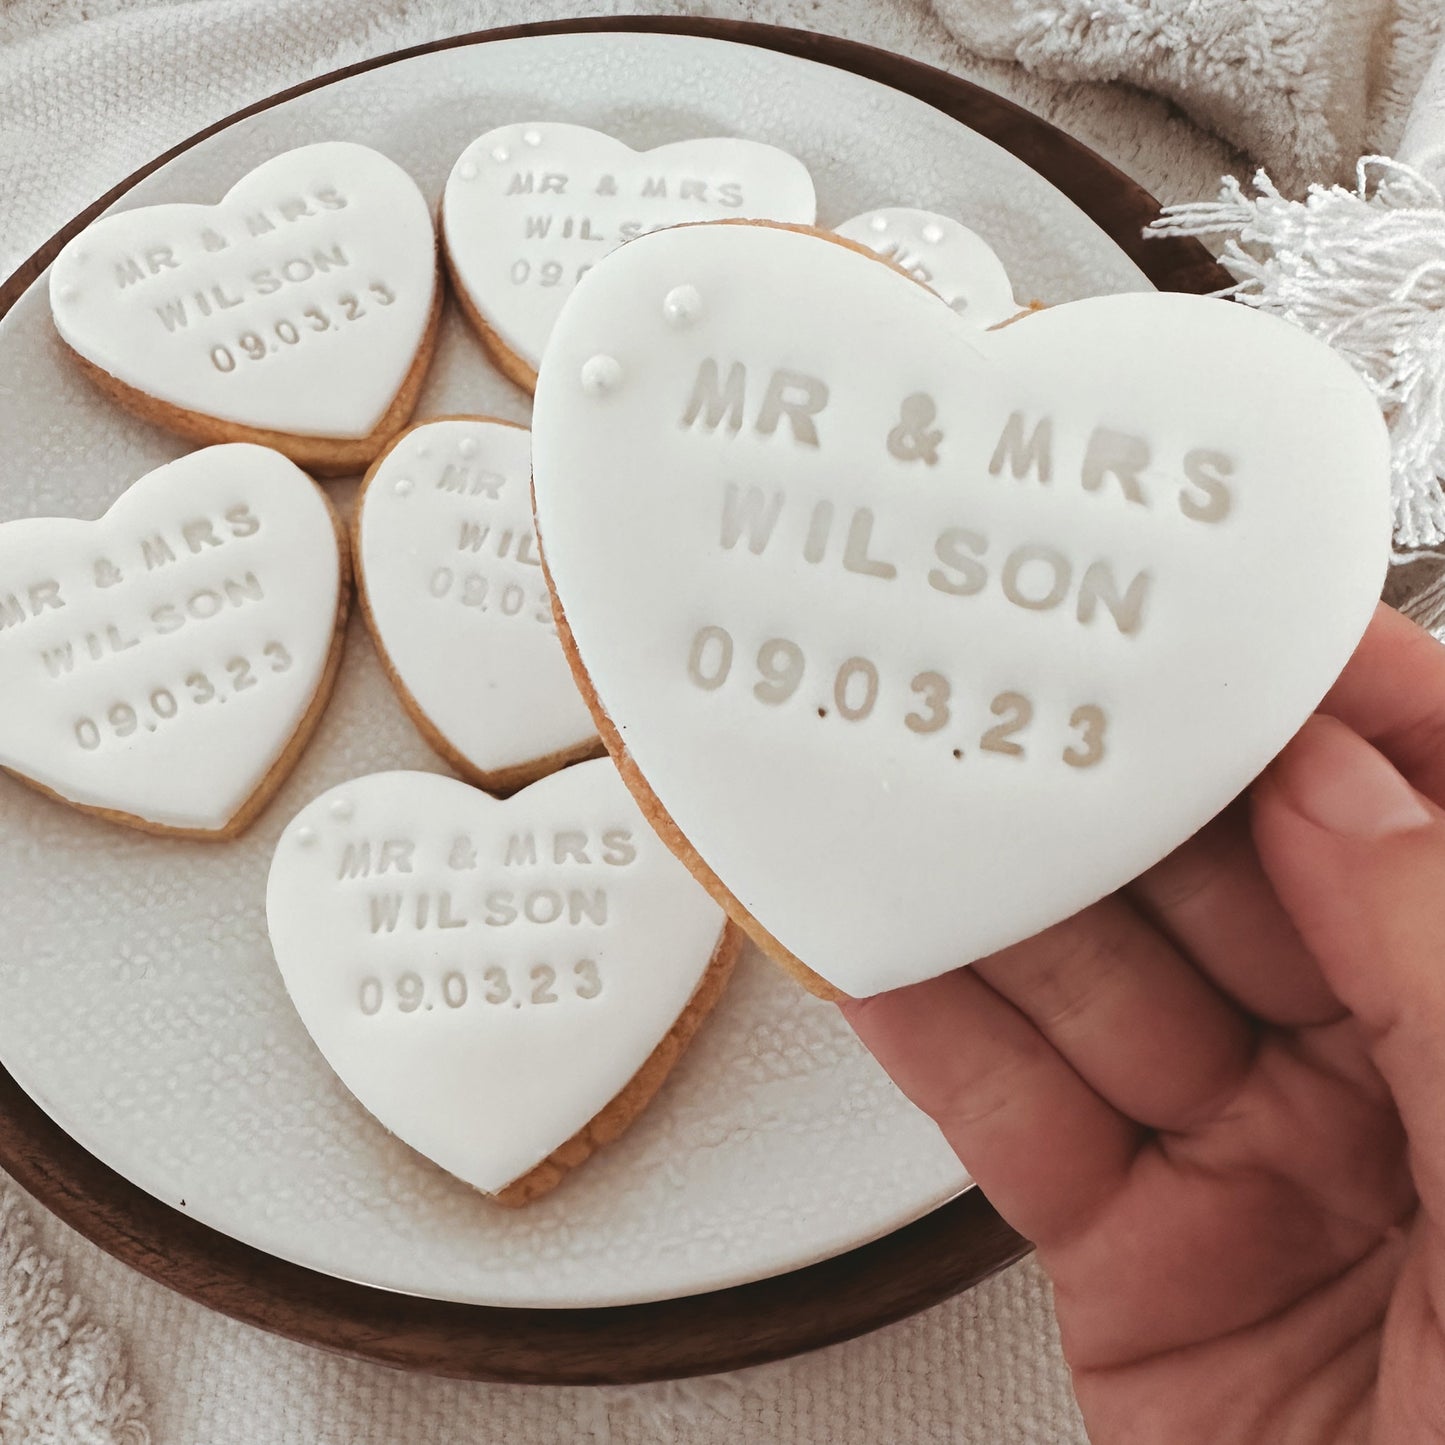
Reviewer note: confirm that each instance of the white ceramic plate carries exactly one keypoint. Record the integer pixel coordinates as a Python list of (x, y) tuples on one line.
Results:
[(141, 1006)]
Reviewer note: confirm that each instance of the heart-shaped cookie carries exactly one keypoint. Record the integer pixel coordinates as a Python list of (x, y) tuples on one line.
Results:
[(299, 311), (943, 254), (529, 208), (450, 581), (504, 985), (164, 665), (916, 639)]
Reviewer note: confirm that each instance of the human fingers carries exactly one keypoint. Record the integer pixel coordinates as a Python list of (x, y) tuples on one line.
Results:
[(1135, 1019), (1392, 694), (1211, 895), (1044, 1147), (1213, 900), (1358, 857)]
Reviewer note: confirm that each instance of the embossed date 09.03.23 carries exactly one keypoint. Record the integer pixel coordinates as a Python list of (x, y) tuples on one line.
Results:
[(925, 708), (482, 593), (492, 984), (284, 334), (150, 712)]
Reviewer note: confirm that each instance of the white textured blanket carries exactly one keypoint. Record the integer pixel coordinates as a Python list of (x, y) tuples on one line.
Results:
[(1303, 87), (82, 105), (62, 1378)]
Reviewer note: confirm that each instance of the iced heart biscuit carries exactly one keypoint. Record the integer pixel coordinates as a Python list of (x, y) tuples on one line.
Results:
[(503, 985), (450, 582), (948, 633), (165, 665), (528, 208), (944, 255), (299, 311)]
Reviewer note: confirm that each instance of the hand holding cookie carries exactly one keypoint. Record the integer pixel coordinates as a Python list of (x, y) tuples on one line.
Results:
[(1214, 1100)]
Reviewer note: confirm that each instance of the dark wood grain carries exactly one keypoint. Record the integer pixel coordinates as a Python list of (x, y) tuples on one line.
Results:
[(945, 1252), (950, 1250)]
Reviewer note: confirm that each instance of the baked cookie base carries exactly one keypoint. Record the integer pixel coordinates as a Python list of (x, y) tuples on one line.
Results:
[(322, 456), (639, 1091), (515, 368)]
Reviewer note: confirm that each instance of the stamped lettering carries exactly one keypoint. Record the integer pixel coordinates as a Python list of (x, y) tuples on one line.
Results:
[(852, 695)]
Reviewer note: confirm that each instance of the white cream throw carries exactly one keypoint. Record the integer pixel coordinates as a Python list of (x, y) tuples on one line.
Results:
[(1303, 87)]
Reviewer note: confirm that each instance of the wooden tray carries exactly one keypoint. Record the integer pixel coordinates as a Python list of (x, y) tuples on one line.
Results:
[(948, 1251)]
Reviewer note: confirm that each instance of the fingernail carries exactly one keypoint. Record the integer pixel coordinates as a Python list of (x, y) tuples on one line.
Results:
[(1340, 783)]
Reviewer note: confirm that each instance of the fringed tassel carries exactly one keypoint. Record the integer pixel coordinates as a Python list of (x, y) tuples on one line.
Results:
[(1363, 270)]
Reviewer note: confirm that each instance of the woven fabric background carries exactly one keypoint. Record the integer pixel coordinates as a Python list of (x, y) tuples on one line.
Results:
[(82, 105)]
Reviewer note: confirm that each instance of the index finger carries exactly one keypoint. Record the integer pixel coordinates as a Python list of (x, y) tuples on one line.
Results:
[(1392, 693)]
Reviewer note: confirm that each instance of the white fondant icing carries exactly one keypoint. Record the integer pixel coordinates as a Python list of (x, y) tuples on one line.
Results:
[(520, 234), (157, 661), (942, 253), (453, 579), (909, 701), (295, 304), (486, 976)]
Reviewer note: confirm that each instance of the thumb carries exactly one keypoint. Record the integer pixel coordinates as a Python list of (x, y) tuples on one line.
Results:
[(1357, 857)]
